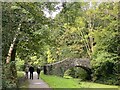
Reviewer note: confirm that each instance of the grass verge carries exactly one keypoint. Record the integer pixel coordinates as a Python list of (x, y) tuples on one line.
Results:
[(59, 82)]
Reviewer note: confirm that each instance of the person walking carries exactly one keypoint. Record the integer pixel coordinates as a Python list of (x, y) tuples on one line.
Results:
[(26, 71), (31, 69), (38, 71)]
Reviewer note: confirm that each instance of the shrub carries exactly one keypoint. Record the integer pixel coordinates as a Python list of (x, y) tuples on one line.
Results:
[(104, 66), (20, 65), (76, 72)]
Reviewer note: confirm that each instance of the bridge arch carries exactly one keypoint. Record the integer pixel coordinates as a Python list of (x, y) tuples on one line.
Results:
[(60, 67), (79, 70)]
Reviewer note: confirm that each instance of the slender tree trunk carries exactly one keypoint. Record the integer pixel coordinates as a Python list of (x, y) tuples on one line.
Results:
[(86, 44), (12, 50), (91, 38), (13, 66), (13, 54)]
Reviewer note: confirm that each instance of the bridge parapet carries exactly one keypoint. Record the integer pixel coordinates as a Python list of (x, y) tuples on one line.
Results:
[(60, 67), (82, 62)]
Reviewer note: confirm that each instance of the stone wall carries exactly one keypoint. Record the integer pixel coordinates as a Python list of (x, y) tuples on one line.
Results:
[(60, 67)]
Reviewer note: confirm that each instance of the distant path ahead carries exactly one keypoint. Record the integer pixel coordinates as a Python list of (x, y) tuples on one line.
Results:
[(36, 83)]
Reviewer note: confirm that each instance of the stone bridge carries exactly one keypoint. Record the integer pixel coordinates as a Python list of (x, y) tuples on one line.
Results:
[(60, 67)]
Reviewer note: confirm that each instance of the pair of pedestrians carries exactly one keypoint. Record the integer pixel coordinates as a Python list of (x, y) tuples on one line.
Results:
[(31, 70)]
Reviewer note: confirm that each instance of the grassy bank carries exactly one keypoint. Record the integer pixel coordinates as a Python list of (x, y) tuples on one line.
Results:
[(23, 83), (59, 82)]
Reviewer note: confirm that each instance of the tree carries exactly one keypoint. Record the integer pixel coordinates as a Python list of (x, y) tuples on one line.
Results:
[(18, 19)]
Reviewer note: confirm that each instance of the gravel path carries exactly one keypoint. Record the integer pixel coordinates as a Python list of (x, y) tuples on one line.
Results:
[(37, 83)]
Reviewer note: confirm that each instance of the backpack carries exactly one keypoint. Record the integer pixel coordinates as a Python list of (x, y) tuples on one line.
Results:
[(26, 69)]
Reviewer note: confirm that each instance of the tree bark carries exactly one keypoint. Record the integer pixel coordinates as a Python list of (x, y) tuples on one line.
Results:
[(91, 37), (11, 67), (12, 49)]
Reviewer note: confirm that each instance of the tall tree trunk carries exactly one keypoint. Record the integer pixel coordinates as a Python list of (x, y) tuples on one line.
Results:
[(12, 46), (10, 68), (86, 44), (11, 50), (91, 37), (13, 66)]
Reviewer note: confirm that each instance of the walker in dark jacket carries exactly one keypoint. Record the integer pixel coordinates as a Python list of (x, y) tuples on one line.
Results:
[(31, 69), (38, 71)]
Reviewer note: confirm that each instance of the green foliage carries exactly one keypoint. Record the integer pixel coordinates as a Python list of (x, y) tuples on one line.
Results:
[(78, 31), (81, 73), (13, 15), (76, 72), (103, 67), (9, 78), (19, 64), (22, 82), (70, 72), (20, 74), (110, 80), (59, 82), (50, 59), (105, 57)]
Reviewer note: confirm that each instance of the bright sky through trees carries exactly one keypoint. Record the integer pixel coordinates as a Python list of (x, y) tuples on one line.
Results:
[(52, 14)]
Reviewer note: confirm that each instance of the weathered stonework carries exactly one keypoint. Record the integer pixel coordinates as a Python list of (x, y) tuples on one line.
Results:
[(60, 67)]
